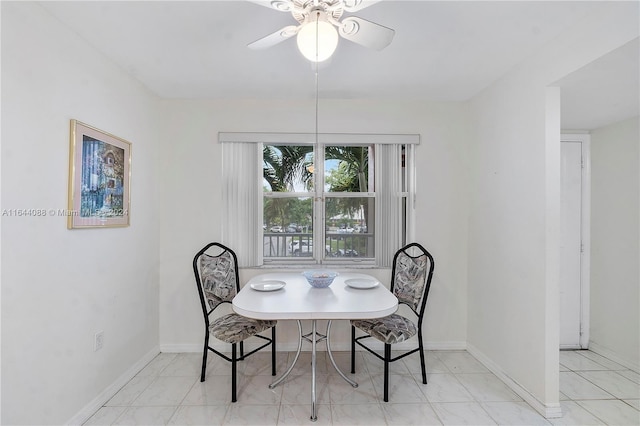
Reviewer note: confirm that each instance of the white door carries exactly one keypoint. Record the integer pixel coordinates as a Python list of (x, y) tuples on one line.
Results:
[(573, 279)]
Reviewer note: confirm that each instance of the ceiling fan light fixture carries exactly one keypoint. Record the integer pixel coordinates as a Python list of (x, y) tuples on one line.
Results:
[(318, 38)]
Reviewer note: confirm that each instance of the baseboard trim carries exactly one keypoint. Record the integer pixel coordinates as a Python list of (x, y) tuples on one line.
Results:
[(549, 411), (186, 348), (446, 346), (222, 347), (613, 356), (413, 343), (89, 410), (344, 346)]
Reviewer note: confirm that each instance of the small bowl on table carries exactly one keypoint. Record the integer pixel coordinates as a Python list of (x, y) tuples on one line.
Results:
[(320, 278)]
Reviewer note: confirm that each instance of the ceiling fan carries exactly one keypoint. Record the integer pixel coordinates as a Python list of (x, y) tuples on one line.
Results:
[(317, 37)]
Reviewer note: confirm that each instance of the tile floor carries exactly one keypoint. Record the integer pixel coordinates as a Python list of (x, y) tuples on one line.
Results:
[(594, 391)]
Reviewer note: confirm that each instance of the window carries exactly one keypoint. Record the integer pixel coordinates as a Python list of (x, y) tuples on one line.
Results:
[(343, 200)]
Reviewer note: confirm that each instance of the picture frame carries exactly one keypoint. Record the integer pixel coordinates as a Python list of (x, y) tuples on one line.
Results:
[(99, 178)]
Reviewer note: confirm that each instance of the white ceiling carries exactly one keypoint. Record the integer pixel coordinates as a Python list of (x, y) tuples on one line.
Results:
[(603, 92), (442, 51)]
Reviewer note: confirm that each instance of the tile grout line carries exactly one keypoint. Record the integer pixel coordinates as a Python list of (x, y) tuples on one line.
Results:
[(179, 369)]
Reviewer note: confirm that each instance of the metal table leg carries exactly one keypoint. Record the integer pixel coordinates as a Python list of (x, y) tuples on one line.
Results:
[(295, 359), (314, 409), (348, 380), (313, 337)]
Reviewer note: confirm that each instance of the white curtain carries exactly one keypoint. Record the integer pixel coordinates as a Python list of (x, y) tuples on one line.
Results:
[(388, 188), (242, 201)]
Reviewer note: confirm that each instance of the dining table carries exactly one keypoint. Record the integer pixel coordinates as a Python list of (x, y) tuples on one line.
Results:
[(288, 296)]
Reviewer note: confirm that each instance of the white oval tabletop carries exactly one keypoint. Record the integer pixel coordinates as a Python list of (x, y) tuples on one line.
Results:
[(298, 300)]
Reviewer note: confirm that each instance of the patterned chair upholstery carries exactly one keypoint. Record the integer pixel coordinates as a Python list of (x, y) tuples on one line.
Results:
[(411, 276), (218, 282)]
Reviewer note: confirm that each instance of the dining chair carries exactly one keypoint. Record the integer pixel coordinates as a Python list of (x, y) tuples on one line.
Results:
[(216, 270), (411, 275)]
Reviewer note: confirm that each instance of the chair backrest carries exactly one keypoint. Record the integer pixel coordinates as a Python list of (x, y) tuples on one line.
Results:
[(411, 276), (216, 271)]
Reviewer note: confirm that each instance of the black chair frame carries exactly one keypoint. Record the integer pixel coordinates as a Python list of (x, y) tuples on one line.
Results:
[(234, 358), (419, 314)]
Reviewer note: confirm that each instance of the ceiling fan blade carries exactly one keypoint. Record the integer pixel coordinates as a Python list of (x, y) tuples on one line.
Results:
[(275, 38), (366, 33), (280, 5), (355, 5)]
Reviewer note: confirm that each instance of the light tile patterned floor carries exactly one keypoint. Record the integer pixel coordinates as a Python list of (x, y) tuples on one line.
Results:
[(460, 391)]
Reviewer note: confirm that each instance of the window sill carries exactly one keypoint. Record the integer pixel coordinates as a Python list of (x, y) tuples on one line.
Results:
[(303, 266)]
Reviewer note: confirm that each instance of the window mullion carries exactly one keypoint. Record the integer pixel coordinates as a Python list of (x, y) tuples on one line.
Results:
[(287, 194), (349, 194)]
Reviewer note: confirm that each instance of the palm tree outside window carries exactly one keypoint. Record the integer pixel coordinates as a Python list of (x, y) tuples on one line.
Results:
[(326, 202), (344, 203)]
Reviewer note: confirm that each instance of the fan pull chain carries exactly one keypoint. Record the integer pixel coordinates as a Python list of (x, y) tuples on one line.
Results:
[(317, 49)]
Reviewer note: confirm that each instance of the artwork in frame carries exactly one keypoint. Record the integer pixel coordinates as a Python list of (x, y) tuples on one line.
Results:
[(99, 178)]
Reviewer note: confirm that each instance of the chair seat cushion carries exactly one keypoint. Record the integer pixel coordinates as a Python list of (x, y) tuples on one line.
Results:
[(234, 328), (391, 329)]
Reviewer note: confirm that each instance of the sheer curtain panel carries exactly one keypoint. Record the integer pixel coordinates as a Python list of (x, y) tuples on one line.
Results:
[(389, 219), (242, 201)]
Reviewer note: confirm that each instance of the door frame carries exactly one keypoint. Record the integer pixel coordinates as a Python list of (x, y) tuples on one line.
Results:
[(585, 264)]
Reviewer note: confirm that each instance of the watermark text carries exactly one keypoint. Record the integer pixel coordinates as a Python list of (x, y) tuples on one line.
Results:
[(36, 212)]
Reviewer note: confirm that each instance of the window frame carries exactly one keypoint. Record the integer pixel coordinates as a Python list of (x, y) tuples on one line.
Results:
[(319, 196)]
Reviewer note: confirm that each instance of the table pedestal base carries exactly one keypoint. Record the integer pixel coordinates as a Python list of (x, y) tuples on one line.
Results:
[(314, 337)]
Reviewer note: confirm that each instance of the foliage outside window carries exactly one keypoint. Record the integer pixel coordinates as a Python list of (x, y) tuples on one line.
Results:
[(291, 198), (305, 203)]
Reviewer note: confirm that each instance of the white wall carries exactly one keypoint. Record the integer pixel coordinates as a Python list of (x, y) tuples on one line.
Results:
[(191, 164), (514, 208), (507, 233), (61, 286), (615, 212), (90, 280)]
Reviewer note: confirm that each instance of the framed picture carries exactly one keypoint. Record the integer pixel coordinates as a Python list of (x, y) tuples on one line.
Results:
[(99, 178)]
